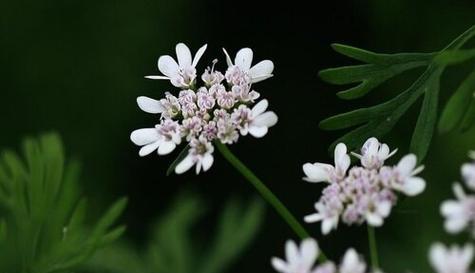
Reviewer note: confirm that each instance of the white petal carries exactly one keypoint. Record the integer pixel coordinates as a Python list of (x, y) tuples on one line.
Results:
[(312, 218), (267, 119), (168, 66), (166, 147), (198, 167), (414, 186), (257, 131), (157, 77), (437, 256), (244, 59), (260, 108), (198, 55), (262, 69), (384, 208), (309, 252), (259, 79), (291, 251), (317, 172), (184, 165), (144, 136), (467, 255), (150, 105), (350, 259), (407, 164), (371, 146), (458, 191), (279, 265), (183, 55), (455, 225), (327, 225), (228, 59), (451, 207), (342, 159), (383, 152), (207, 162), (148, 149), (374, 219)]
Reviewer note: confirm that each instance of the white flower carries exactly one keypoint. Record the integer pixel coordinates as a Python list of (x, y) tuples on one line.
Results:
[(468, 173), (260, 120), (328, 215), (374, 153), (259, 72), (405, 172), (183, 73), (298, 260), (381, 209), (458, 213), (149, 105), (450, 260), (200, 154), (164, 137), (352, 263), (320, 172)]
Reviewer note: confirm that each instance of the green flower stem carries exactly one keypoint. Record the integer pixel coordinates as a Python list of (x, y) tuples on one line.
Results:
[(373, 248), (266, 193)]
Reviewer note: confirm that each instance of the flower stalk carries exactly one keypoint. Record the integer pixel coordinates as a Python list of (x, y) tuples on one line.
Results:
[(266, 193), (373, 247)]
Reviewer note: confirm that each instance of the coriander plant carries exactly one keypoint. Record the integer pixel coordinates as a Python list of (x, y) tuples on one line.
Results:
[(42, 215)]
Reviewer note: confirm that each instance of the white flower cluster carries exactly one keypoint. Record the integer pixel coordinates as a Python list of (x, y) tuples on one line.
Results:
[(365, 193), (460, 213), (221, 109), (451, 259), (302, 260)]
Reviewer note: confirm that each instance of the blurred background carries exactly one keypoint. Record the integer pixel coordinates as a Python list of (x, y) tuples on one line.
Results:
[(76, 67)]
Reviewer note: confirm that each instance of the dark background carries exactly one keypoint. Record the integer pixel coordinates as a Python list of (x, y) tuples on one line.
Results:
[(77, 66)]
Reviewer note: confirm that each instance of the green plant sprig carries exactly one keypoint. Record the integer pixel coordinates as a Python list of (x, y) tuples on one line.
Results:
[(378, 120), (42, 218)]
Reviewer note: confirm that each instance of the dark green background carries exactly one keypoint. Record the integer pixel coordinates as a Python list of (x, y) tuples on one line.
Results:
[(77, 66)]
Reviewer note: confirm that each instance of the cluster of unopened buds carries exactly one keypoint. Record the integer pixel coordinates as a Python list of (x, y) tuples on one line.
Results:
[(363, 193), (221, 107)]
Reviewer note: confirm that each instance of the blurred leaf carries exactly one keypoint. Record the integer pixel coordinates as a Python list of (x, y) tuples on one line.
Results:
[(378, 120), (117, 258), (43, 227), (171, 247), (458, 106), (236, 229)]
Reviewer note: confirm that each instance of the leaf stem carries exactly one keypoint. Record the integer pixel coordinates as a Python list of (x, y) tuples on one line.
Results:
[(266, 193), (373, 248)]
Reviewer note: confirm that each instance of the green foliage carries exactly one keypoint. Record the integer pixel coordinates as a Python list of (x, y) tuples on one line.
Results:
[(172, 249), (380, 119), (42, 226)]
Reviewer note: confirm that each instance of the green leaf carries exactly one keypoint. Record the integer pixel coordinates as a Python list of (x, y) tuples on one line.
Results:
[(41, 219), (458, 105), (425, 125), (378, 120), (120, 257), (237, 227), (380, 68)]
